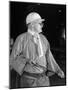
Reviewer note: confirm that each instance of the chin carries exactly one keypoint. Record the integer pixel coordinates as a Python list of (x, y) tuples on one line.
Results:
[(40, 31)]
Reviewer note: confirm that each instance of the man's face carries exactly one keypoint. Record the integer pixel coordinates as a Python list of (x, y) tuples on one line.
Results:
[(38, 27)]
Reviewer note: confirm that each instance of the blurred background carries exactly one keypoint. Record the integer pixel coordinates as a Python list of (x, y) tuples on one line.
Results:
[(54, 29)]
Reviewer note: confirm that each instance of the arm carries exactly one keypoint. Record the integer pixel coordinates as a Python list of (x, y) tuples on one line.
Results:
[(17, 60), (53, 67)]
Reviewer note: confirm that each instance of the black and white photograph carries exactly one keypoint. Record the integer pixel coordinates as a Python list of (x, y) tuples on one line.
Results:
[(37, 45)]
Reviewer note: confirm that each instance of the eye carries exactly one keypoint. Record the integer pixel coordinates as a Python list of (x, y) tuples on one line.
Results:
[(41, 24)]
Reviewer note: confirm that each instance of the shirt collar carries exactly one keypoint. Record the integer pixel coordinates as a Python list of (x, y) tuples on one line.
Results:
[(31, 32)]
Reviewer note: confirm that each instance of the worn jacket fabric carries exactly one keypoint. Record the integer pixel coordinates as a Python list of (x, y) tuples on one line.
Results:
[(24, 56)]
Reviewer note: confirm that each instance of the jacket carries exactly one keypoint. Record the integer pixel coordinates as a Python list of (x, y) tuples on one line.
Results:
[(24, 56)]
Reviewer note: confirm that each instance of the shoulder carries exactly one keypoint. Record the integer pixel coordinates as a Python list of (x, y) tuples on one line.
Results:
[(21, 37)]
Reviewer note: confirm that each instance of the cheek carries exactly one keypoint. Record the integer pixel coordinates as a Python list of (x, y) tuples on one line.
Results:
[(37, 28)]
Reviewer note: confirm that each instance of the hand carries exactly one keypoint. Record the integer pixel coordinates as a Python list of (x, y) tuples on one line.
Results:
[(61, 74)]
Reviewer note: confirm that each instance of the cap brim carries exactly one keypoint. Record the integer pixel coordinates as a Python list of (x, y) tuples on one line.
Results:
[(38, 20), (41, 20)]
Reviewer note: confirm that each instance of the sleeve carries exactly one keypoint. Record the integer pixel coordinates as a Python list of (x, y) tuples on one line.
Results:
[(52, 65), (17, 60)]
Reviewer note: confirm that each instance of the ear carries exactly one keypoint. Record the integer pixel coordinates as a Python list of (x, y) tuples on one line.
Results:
[(30, 26)]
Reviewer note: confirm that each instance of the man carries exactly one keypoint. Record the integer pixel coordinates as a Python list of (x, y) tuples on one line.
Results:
[(31, 56)]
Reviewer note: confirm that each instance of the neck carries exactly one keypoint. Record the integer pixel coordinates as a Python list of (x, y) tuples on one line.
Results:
[(31, 32)]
